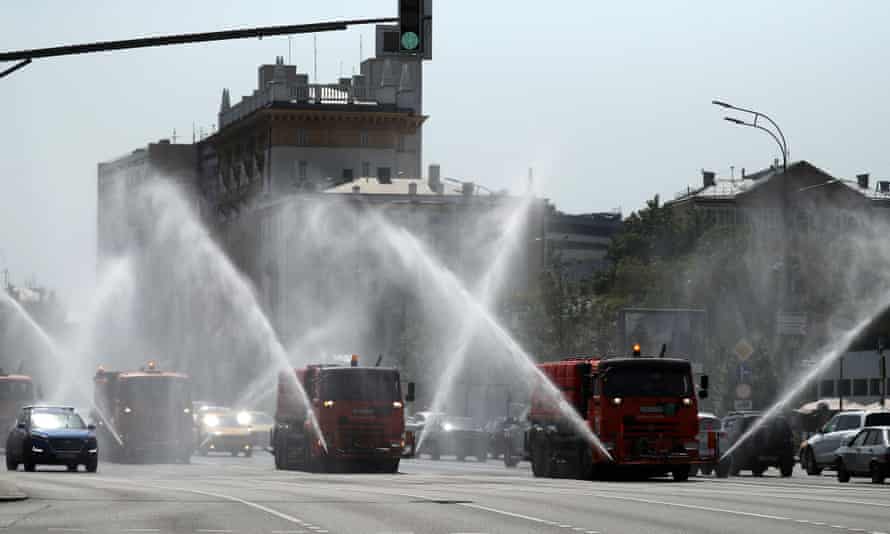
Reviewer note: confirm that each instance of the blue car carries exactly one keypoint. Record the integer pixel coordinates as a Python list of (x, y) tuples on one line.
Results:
[(51, 435)]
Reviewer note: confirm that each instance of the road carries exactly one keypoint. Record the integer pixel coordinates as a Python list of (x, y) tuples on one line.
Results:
[(226, 495)]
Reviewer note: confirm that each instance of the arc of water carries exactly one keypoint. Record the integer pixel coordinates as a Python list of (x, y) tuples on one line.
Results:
[(177, 223), (827, 357), (411, 252), (60, 358), (486, 291)]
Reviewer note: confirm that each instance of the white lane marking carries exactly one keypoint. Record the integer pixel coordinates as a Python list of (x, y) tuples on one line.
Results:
[(142, 530), (66, 529), (211, 530), (692, 507), (509, 514)]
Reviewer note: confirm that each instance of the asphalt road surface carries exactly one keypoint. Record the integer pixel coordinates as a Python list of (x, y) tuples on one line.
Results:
[(225, 495)]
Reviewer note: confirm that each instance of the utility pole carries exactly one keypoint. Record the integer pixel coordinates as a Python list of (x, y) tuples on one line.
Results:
[(840, 386)]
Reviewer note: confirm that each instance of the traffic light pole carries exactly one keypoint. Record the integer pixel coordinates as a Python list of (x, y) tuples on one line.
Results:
[(26, 56)]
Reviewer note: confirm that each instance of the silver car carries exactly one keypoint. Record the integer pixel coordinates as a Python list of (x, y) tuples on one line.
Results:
[(867, 455), (818, 452)]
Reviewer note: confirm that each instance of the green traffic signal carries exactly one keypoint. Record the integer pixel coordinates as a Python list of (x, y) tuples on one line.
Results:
[(410, 40)]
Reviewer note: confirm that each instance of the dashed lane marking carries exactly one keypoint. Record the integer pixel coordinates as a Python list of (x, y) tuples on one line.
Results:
[(692, 507)]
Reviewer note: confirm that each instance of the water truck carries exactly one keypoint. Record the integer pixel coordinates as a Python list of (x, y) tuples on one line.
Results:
[(643, 409), (144, 415), (16, 391), (359, 413)]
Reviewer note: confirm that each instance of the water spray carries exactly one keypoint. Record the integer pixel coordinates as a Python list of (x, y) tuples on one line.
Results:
[(411, 251), (829, 355)]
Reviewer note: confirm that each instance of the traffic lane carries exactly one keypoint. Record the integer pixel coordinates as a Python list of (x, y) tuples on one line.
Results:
[(577, 507), (67, 502), (379, 503)]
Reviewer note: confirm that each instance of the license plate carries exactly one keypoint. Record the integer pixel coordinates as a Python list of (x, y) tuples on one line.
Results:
[(66, 455), (651, 409)]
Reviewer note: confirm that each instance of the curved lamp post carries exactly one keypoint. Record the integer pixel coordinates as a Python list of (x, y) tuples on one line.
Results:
[(780, 139)]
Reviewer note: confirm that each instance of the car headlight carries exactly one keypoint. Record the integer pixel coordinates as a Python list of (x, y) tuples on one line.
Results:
[(328, 404), (244, 418), (127, 409), (211, 420), (447, 427)]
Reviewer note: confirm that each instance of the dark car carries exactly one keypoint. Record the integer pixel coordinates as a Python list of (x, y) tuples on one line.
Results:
[(866, 455), (459, 436), (771, 445), (51, 435)]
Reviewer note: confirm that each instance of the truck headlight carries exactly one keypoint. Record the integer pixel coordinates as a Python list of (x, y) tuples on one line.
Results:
[(243, 418), (616, 401), (328, 404)]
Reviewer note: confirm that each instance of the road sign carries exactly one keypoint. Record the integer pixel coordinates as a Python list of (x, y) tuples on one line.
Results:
[(743, 391), (791, 324), (743, 404), (743, 350)]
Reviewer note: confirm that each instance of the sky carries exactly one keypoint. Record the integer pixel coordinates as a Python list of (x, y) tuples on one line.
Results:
[(608, 102)]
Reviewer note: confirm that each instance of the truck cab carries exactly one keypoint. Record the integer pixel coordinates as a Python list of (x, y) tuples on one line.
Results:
[(359, 413)]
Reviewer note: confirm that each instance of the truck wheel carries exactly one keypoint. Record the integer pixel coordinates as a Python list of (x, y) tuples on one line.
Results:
[(72, 468), (92, 465), (877, 473), (808, 462), (30, 467), (681, 473), (707, 470), (392, 466), (11, 464), (723, 468), (541, 459), (758, 470), (786, 466)]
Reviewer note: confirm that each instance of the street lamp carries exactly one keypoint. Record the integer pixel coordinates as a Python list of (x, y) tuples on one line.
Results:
[(780, 139)]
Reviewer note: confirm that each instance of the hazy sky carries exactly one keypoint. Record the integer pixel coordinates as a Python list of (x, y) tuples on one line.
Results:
[(609, 102)]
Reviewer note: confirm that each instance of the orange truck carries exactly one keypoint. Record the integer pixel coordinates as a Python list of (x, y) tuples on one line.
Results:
[(644, 410), (359, 412), (144, 415), (15, 391)]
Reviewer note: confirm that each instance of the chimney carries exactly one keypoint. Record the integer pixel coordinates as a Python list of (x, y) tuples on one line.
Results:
[(743, 173), (708, 178), (412, 188), (467, 189), (433, 178), (862, 180)]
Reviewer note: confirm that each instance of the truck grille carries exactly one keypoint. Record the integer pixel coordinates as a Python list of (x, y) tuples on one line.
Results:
[(363, 437), (66, 444)]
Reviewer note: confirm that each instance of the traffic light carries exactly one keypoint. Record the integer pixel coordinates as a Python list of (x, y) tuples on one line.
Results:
[(411, 26), (636, 349)]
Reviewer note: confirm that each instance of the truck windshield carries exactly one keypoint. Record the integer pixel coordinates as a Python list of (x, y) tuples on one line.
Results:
[(155, 391), (361, 385), (16, 390), (646, 382)]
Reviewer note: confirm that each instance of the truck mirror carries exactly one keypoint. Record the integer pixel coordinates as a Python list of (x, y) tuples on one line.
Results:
[(703, 394), (705, 381), (21, 426), (409, 397)]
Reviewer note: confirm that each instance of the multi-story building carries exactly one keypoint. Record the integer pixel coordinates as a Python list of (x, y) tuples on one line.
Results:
[(119, 179), (579, 243), (808, 238)]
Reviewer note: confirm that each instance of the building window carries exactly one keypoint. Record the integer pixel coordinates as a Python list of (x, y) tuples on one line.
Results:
[(860, 387), (875, 387), (827, 389), (302, 171), (844, 387), (363, 138), (347, 175), (302, 137), (384, 175), (366, 169)]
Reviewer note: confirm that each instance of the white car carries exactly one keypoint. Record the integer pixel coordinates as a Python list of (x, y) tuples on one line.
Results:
[(818, 452)]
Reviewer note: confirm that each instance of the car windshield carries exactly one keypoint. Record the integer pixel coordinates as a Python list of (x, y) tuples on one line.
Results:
[(646, 382), (363, 384), (16, 390), (54, 420), (878, 419)]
